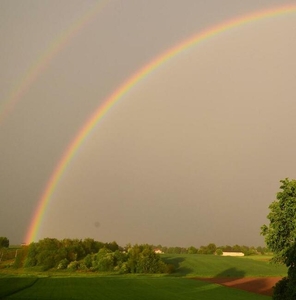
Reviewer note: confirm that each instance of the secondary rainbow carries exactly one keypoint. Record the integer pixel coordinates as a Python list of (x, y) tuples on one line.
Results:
[(42, 62), (125, 88)]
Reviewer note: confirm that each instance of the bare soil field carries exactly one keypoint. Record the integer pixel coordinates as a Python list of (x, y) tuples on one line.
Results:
[(259, 285)]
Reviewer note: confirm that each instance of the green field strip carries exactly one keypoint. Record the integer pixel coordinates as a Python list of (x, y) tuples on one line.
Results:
[(11, 285), (126, 287), (219, 266)]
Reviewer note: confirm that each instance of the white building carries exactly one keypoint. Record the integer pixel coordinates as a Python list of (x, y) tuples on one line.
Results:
[(233, 254), (158, 251)]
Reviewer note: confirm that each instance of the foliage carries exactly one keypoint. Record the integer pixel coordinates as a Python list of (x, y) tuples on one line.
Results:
[(31, 260), (285, 289), (219, 251), (280, 290), (49, 253), (192, 250), (105, 260), (73, 265), (76, 254), (143, 259), (88, 261), (4, 242), (63, 264), (280, 235), (20, 257), (209, 249)]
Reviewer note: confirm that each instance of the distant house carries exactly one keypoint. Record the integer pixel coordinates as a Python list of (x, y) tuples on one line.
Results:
[(158, 251), (233, 254)]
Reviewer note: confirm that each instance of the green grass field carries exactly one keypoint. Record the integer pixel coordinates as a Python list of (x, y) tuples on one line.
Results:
[(223, 266), (10, 285), (127, 287), (66, 285)]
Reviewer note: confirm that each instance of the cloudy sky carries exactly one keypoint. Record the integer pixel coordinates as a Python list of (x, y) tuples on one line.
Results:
[(192, 154)]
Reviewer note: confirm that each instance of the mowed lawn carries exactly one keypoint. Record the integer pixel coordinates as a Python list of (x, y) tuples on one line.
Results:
[(125, 287), (194, 265)]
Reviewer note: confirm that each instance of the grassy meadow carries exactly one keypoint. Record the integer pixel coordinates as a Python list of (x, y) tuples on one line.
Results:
[(194, 265), (30, 284), (122, 287)]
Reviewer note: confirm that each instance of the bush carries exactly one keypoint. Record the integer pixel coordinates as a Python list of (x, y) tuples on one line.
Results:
[(31, 260), (83, 267), (170, 268), (280, 290), (4, 242), (63, 264), (73, 265), (124, 268), (219, 252), (88, 261)]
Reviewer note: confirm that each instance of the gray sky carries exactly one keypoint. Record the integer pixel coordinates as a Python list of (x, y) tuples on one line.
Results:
[(193, 154)]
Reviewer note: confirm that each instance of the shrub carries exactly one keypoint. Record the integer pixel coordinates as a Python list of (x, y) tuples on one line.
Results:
[(280, 290), (88, 261), (219, 252), (170, 268), (63, 264), (73, 265), (124, 268)]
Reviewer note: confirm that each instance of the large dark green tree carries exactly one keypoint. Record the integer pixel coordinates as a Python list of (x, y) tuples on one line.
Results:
[(280, 234), (280, 237), (4, 242)]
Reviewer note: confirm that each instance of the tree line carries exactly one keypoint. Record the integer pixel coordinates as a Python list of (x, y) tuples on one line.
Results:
[(91, 255), (211, 248)]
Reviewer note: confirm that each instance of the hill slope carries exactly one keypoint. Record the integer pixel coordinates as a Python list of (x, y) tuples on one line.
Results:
[(199, 265)]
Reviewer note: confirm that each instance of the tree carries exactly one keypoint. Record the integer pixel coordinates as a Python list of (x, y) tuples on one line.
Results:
[(209, 249), (4, 242), (219, 251), (31, 260), (192, 250), (280, 235), (285, 289), (105, 260)]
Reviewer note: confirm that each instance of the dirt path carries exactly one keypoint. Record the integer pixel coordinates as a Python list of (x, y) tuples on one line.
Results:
[(261, 285)]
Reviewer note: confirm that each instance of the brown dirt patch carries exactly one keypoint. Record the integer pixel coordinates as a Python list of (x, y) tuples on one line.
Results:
[(258, 285)]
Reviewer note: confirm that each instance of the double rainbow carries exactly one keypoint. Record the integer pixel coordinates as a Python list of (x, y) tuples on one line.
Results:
[(42, 62), (87, 128)]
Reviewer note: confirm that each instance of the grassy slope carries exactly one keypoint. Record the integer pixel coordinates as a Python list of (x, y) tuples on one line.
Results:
[(91, 286), (10, 285), (129, 287), (218, 266)]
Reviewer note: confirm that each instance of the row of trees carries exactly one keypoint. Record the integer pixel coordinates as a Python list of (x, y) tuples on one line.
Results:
[(212, 249), (90, 255)]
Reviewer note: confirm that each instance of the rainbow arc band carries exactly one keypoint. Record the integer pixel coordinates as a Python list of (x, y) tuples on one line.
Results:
[(124, 89), (42, 62)]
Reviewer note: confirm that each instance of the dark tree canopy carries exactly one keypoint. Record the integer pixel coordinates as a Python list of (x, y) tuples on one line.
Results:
[(280, 234), (280, 237), (4, 242)]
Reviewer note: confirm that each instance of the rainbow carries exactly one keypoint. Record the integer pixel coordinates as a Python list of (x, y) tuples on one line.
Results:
[(123, 89), (42, 62)]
